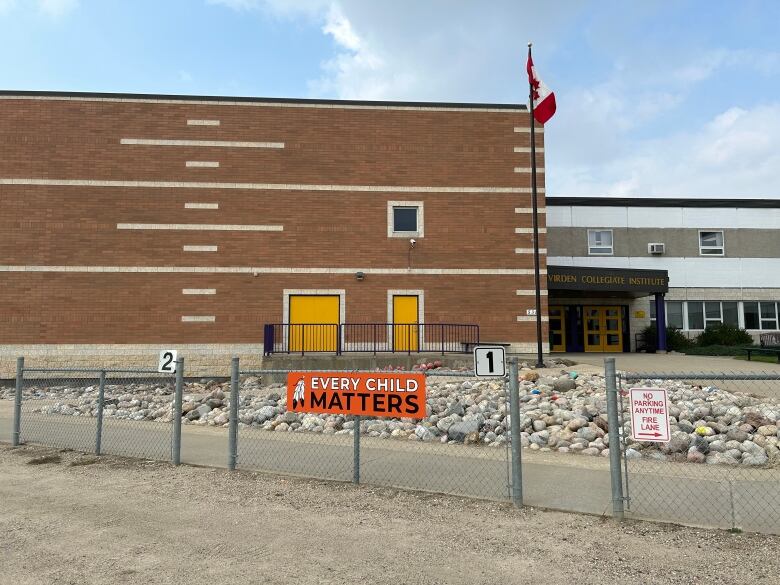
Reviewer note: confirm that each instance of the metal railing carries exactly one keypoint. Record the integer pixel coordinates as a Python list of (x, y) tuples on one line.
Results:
[(303, 338)]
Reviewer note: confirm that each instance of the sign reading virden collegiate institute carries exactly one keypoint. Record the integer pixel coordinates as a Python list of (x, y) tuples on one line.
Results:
[(372, 394)]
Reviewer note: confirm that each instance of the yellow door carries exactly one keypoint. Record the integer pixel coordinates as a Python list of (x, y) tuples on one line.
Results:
[(603, 329), (405, 323), (557, 328), (612, 328), (592, 326), (314, 322)]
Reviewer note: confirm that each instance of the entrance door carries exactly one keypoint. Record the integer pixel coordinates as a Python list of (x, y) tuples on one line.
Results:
[(557, 328), (314, 322), (406, 317), (603, 329)]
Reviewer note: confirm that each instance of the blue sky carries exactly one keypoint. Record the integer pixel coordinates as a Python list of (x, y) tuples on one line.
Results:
[(674, 98)]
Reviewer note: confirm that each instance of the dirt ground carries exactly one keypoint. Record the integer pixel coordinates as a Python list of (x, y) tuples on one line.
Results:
[(68, 518)]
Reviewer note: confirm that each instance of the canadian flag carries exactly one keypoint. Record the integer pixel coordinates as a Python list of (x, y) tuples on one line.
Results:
[(544, 99)]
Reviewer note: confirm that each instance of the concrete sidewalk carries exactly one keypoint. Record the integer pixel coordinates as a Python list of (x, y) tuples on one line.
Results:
[(671, 362)]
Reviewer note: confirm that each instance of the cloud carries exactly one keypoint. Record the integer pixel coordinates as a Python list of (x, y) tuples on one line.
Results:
[(57, 8), (734, 154)]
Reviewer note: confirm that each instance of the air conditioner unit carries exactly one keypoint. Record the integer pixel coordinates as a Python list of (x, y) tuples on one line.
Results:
[(656, 248)]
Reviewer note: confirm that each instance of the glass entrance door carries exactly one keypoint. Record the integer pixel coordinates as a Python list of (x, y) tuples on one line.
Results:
[(603, 329), (557, 328)]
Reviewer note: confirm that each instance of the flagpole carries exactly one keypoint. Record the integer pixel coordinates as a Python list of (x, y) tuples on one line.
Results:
[(534, 206)]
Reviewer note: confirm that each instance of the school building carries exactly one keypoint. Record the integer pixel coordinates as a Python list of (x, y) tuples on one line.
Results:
[(133, 223), (616, 265)]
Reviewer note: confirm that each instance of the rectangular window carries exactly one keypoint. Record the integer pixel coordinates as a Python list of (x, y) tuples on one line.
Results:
[(768, 315), (600, 242), (751, 315), (731, 313), (711, 243), (405, 219), (712, 313), (674, 314), (695, 315)]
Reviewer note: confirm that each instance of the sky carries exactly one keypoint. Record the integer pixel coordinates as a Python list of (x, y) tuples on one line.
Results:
[(655, 98)]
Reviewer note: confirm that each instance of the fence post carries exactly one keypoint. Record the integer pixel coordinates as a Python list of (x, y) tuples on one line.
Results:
[(233, 424), (100, 405), (614, 439), (356, 451), (514, 419), (177, 400), (18, 402)]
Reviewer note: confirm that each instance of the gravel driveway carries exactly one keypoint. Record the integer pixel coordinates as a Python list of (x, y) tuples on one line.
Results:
[(86, 520)]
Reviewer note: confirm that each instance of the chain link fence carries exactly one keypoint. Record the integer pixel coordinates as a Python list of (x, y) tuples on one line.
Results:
[(721, 467), (119, 412), (460, 447)]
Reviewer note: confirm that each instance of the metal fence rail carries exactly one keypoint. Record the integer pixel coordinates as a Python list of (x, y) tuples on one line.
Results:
[(720, 468), (374, 338), (437, 453), (108, 411)]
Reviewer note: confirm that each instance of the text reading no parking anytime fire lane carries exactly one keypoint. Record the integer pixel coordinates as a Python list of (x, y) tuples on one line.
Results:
[(649, 415), (370, 394)]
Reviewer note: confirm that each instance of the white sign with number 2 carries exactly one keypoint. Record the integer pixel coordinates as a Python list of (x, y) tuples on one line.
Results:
[(167, 363)]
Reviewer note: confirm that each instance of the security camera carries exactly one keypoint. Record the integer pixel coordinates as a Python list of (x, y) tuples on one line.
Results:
[(412, 242)]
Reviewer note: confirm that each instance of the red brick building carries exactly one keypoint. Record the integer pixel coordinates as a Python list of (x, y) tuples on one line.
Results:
[(134, 220)]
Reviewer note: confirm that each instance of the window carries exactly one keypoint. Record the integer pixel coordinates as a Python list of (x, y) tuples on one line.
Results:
[(674, 313), (404, 219), (731, 313), (711, 244), (761, 315), (600, 242), (695, 315)]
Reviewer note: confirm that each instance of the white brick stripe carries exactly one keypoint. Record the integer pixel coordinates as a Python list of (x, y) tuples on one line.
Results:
[(530, 230), (528, 129), (530, 292), (201, 206), (228, 102), (212, 143), (527, 149), (531, 318), (261, 186), (528, 169), (199, 248), (200, 227), (201, 164), (530, 210), (202, 122), (198, 291), (529, 250), (198, 318), (273, 270)]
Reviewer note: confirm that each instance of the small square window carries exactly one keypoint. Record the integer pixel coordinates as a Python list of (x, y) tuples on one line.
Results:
[(405, 219), (600, 242), (711, 244)]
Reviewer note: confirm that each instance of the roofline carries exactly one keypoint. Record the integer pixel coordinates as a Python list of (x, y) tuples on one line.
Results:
[(659, 202), (253, 100)]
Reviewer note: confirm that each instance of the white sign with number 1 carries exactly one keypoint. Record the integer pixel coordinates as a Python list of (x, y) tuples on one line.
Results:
[(489, 361), (167, 363)]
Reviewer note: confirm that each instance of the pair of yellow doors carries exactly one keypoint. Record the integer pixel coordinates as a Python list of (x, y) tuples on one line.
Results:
[(602, 329), (314, 323)]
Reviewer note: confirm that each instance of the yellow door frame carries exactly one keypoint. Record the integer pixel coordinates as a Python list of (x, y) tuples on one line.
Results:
[(602, 315), (406, 321), (313, 321), (561, 318)]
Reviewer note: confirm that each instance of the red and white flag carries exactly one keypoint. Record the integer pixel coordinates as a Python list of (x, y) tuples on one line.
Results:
[(544, 99)]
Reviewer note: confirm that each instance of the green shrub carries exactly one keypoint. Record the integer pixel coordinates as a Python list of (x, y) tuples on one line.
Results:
[(722, 350), (723, 334), (675, 339)]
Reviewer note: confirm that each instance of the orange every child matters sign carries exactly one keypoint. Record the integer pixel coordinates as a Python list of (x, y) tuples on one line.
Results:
[(372, 394)]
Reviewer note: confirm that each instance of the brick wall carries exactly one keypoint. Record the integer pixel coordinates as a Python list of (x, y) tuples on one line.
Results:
[(67, 183)]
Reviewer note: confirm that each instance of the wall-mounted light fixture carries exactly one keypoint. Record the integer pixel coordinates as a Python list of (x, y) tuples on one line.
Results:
[(360, 276)]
